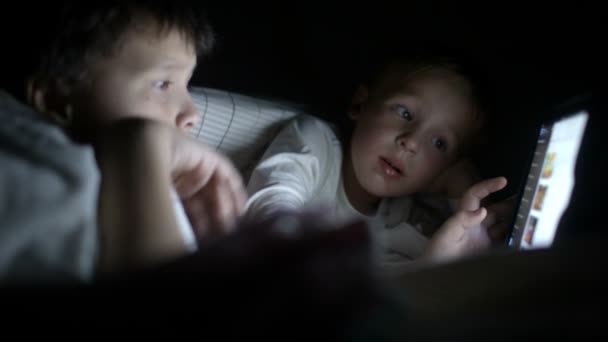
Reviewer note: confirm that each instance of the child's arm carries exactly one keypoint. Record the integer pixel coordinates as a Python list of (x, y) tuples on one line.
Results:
[(292, 169), (138, 161)]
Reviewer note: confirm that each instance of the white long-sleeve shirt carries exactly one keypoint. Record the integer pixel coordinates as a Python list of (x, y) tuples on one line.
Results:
[(301, 169)]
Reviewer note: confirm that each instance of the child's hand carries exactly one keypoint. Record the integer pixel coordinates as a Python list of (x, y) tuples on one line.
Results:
[(139, 161), (499, 217), (209, 186), (466, 231), (471, 200), (498, 214)]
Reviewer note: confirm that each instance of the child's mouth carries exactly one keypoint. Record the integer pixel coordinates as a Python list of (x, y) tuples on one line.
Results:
[(389, 168)]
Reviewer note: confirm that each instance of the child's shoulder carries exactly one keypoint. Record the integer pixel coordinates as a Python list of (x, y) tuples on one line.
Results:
[(312, 128), (31, 138), (311, 123), (306, 135), (22, 123)]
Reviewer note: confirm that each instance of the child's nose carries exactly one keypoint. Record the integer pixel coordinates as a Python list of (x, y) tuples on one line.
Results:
[(187, 117), (408, 142)]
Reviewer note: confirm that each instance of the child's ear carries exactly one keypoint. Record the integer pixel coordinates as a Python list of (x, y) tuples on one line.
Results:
[(50, 98), (359, 98)]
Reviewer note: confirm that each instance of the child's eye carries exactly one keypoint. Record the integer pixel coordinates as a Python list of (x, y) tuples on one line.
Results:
[(440, 144), (403, 112), (162, 85)]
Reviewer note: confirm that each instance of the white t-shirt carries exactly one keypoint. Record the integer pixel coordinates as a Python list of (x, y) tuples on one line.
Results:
[(301, 170)]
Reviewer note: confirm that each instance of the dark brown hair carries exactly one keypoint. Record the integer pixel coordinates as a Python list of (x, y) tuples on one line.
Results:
[(69, 36)]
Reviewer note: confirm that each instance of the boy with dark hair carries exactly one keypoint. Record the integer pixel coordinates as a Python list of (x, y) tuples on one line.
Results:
[(91, 152)]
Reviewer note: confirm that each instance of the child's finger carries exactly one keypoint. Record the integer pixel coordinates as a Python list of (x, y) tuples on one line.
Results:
[(220, 202), (198, 216), (190, 182), (453, 238), (472, 218), (458, 224), (239, 198), (238, 191), (473, 197)]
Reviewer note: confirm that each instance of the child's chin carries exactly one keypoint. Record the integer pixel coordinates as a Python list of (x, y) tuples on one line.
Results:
[(387, 190)]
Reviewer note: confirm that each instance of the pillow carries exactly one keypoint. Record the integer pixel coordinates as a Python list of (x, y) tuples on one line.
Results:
[(238, 125)]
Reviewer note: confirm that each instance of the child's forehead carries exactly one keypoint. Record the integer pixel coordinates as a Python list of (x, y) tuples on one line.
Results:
[(436, 90), (153, 44), (424, 79), (142, 53), (144, 28)]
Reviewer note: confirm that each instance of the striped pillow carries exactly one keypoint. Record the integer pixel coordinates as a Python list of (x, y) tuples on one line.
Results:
[(237, 125)]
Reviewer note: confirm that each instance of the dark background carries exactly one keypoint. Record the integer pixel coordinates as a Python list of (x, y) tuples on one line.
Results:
[(305, 51)]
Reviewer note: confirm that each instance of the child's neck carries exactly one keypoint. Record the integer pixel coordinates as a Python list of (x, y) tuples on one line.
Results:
[(361, 200)]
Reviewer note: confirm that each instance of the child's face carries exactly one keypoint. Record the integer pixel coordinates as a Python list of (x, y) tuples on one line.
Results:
[(146, 76), (404, 139)]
